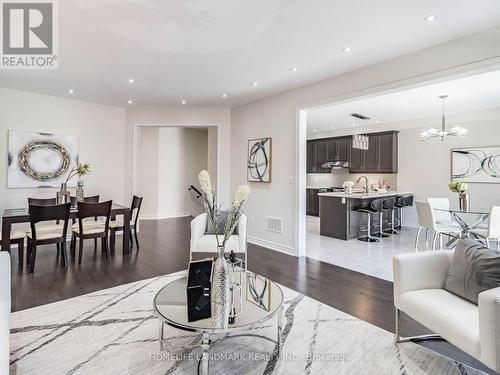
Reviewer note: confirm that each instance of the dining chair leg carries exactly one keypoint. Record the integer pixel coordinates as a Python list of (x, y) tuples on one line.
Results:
[(104, 247), (28, 254), (434, 241), (136, 240), (32, 258), (112, 236), (416, 237), (72, 244), (20, 253), (95, 244), (131, 239), (64, 256), (487, 242), (80, 251), (58, 248), (426, 237)]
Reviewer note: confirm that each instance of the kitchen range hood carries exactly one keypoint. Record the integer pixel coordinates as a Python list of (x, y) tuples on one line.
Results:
[(337, 164)]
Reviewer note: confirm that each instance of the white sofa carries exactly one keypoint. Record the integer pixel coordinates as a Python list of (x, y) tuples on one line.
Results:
[(419, 279), (202, 243), (4, 311)]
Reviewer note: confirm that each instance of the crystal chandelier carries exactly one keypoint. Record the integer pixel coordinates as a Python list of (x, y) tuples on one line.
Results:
[(360, 139), (456, 131)]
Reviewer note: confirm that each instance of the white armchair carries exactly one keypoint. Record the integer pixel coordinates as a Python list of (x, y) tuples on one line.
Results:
[(207, 243), (419, 279), (4, 311)]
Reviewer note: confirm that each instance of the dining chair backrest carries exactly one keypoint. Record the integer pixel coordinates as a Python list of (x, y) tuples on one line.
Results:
[(89, 199), (86, 210), (494, 222), (425, 215), (408, 200), (49, 213), (42, 201), (438, 205), (136, 205), (389, 203)]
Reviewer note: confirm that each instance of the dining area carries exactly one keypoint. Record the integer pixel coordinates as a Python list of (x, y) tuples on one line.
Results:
[(449, 223), (72, 221)]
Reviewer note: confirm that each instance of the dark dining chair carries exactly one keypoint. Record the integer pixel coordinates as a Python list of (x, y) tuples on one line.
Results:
[(46, 227), (100, 229), (17, 237), (36, 237), (117, 225), (74, 202)]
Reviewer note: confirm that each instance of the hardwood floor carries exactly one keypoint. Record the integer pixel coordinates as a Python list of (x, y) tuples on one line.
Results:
[(164, 248)]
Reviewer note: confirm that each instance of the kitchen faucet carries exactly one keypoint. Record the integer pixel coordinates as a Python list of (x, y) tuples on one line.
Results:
[(365, 188)]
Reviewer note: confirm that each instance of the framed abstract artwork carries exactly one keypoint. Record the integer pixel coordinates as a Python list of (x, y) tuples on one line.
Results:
[(259, 160), (40, 159), (476, 164)]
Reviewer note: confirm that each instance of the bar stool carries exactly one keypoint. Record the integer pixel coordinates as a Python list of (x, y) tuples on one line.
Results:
[(389, 204), (401, 202), (378, 205), (369, 211)]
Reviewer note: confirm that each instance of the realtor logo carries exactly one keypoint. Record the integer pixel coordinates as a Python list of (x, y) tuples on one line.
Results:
[(28, 35)]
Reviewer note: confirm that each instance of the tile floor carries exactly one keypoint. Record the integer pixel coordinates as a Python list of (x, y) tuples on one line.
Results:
[(373, 259)]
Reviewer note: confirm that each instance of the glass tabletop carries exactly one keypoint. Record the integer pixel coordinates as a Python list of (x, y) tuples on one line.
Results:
[(262, 299), (458, 210), (13, 212)]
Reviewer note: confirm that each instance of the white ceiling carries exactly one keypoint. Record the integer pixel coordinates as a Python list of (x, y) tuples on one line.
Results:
[(467, 94), (196, 50)]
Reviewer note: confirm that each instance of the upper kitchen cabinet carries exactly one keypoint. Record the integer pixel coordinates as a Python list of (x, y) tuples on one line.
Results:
[(381, 156), (316, 156), (338, 148)]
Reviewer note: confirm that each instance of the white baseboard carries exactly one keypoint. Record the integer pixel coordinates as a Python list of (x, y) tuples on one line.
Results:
[(272, 245), (168, 216)]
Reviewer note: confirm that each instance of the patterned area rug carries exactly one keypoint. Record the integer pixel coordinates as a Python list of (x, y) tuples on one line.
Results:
[(114, 331)]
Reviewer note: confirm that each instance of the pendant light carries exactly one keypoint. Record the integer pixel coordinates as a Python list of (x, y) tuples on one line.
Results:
[(456, 131)]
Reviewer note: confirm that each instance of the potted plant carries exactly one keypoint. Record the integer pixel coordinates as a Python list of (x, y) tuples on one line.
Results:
[(220, 293), (460, 188)]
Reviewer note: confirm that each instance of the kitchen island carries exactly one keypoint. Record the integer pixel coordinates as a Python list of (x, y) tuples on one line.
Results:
[(339, 217)]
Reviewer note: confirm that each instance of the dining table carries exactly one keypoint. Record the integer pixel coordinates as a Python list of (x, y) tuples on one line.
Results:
[(13, 216), (467, 218)]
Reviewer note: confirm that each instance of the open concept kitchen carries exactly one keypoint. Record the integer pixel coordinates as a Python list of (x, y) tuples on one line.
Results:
[(382, 173)]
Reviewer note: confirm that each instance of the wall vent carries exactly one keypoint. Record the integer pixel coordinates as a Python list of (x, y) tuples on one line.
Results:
[(274, 224)]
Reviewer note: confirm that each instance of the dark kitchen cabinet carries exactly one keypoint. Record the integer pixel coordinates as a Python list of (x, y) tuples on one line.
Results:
[(312, 202), (344, 148), (316, 156), (338, 148), (381, 156)]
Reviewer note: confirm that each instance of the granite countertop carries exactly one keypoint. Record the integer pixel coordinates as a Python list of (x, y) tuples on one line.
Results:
[(371, 194)]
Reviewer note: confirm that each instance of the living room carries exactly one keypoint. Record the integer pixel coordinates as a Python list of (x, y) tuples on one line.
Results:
[(91, 94)]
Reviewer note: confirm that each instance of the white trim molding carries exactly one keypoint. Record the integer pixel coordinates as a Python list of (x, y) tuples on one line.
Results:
[(272, 245)]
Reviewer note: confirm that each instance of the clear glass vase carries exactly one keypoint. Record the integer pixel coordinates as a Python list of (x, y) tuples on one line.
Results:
[(79, 191), (220, 293)]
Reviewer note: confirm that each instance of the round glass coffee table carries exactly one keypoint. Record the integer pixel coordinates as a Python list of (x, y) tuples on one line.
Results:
[(261, 300)]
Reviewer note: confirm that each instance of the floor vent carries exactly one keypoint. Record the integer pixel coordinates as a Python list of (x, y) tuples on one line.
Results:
[(274, 224)]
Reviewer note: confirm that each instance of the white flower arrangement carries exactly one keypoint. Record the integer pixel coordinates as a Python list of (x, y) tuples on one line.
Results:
[(211, 208)]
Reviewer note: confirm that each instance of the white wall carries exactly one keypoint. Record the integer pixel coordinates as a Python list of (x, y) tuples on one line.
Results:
[(182, 155), (148, 166), (101, 132), (276, 117), (425, 167), (185, 117)]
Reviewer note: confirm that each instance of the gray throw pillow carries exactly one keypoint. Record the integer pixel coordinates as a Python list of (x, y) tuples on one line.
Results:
[(221, 224), (474, 269)]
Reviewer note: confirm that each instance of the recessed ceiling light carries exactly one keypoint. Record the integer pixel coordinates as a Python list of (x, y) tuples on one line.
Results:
[(130, 101), (183, 102), (71, 91), (332, 127), (130, 80), (430, 18), (315, 130), (293, 69), (223, 96), (255, 84), (347, 49), (377, 121)]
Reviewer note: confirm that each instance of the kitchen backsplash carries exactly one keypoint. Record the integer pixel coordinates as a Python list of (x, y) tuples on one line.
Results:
[(323, 180)]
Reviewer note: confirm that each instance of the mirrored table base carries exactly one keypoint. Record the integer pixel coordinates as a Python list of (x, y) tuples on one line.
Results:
[(206, 342)]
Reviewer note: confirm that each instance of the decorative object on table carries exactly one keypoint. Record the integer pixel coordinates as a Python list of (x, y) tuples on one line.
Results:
[(235, 287), (39, 159), (479, 164), (347, 185), (258, 291), (455, 131), (198, 290), (220, 294), (461, 188), (63, 196), (259, 160)]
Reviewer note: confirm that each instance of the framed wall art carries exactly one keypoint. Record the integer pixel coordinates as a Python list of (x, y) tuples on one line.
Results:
[(259, 160)]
